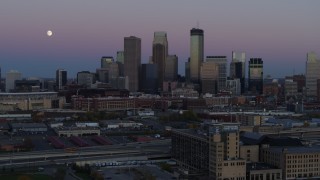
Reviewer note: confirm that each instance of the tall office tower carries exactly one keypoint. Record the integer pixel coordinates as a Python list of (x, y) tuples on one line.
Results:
[(171, 70), (159, 54), (120, 60), (85, 78), (149, 78), (11, 77), (187, 71), (61, 78), (196, 53), (221, 61), (256, 75), (132, 61), (120, 56), (102, 75), (105, 61), (209, 77), (312, 74), (0, 80), (238, 68)]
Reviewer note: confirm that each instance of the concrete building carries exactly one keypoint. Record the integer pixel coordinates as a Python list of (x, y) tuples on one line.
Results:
[(30, 101), (120, 82), (213, 151), (149, 78), (295, 162), (209, 77), (187, 71), (61, 78), (75, 131), (171, 69), (85, 78), (132, 61), (238, 68), (29, 127), (221, 61), (300, 80), (120, 56), (312, 74), (290, 88), (196, 53), (262, 171), (27, 85), (234, 86), (224, 152), (105, 61), (256, 75), (191, 151), (11, 77), (120, 62), (249, 152), (159, 55)]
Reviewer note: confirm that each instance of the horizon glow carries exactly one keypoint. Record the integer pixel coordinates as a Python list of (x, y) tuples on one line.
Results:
[(280, 32)]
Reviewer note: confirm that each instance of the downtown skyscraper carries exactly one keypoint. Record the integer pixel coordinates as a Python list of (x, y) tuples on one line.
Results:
[(312, 74), (238, 68), (196, 53), (256, 75), (132, 61), (159, 55), (61, 78)]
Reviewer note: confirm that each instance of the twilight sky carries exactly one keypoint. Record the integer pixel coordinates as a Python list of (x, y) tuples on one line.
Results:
[(280, 32)]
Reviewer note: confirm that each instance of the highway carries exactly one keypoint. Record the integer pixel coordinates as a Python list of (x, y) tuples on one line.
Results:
[(94, 152)]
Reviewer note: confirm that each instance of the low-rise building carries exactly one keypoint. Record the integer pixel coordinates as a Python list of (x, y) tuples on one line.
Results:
[(263, 171), (29, 127), (295, 162), (30, 101), (249, 152), (212, 151), (75, 131)]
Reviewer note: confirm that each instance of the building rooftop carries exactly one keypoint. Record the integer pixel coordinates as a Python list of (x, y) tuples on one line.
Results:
[(259, 166), (249, 138), (28, 125), (193, 132), (293, 150)]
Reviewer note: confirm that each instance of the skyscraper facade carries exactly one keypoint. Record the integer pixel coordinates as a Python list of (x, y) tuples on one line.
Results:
[(256, 75), (159, 54), (85, 78), (120, 61), (61, 78), (132, 61), (0, 80), (238, 68), (209, 77), (196, 53), (149, 78), (221, 61), (11, 77), (171, 70), (106, 60), (312, 74)]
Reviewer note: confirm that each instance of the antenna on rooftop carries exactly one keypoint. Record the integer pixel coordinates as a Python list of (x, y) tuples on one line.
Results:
[(197, 24)]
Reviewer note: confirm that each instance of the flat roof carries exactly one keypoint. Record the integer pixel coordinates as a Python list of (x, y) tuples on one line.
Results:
[(293, 150), (28, 125), (27, 93), (260, 166)]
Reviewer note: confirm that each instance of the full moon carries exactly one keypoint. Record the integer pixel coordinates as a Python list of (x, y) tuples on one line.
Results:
[(49, 33)]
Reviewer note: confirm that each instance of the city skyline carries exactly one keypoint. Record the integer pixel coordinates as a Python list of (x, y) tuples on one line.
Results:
[(278, 32)]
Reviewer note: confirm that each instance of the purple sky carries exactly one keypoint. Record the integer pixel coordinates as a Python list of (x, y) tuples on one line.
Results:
[(280, 32)]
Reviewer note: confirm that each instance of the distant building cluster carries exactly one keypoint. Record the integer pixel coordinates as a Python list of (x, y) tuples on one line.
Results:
[(220, 151)]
